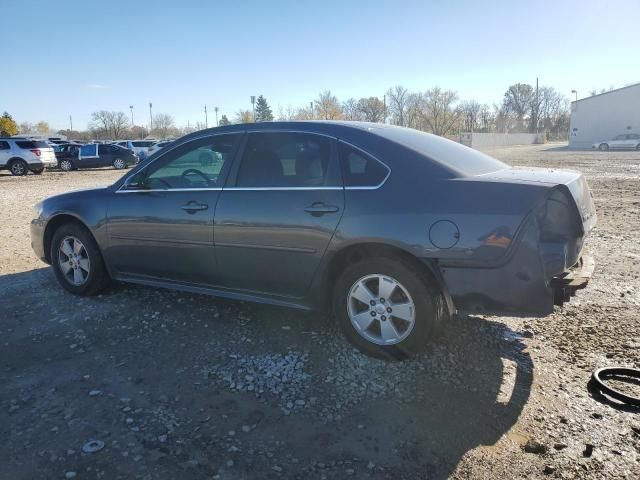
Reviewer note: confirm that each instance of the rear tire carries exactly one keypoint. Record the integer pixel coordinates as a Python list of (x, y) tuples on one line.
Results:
[(91, 275), (66, 165), (603, 147), (18, 168), (409, 290)]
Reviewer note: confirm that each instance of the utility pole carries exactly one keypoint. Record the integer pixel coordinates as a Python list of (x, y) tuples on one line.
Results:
[(311, 108), (150, 117), (537, 105), (70, 123), (215, 109), (206, 117), (253, 107), (384, 103), (131, 108)]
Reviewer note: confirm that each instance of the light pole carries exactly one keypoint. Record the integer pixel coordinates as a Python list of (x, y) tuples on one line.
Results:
[(311, 108), (253, 107), (206, 117), (150, 117), (576, 92), (131, 108), (70, 123), (215, 109)]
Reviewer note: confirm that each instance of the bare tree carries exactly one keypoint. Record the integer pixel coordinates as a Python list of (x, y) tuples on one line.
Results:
[(398, 100), (119, 124), (286, 113), (372, 109), (107, 124), (327, 106), (163, 125), (350, 109), (439, 112), (470, 113), (413, 116)]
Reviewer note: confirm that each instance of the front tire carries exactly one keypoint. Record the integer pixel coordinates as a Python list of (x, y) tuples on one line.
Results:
[(387, 308), (119, 164), (77, 261), (603, 147), (18, 168)]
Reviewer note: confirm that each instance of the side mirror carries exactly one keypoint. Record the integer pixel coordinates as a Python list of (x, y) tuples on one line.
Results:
[(137, 182)]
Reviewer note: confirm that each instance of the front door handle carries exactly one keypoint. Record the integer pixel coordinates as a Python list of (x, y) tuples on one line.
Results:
[(193, 207), (319, 208)]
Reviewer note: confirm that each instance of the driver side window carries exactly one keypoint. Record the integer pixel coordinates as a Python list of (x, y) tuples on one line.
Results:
[(194, 165)]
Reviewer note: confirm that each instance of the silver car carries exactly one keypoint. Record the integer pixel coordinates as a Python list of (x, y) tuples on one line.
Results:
[(625, 141), (21, 155)]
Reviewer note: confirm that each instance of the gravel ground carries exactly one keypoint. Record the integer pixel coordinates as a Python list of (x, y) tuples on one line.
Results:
[(174, 385)]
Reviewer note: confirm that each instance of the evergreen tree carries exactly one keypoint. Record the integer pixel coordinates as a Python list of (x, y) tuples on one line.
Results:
[(263, 111), (8, 126), (224, 121)]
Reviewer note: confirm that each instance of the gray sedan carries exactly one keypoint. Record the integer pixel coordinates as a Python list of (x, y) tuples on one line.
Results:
[(391, 229)]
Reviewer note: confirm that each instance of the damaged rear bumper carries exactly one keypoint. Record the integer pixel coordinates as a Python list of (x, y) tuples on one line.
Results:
[(566, 285)]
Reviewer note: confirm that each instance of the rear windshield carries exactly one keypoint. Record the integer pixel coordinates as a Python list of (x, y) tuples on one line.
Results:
[(142, 144), (457, 157)]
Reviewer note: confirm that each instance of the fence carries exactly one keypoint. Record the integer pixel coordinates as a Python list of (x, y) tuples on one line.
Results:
[(475, 140)]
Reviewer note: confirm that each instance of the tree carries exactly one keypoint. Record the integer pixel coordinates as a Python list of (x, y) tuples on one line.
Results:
[(111, 125), (163, 125), (26, 128), (517, 102), (470, 112), (138, 131), (327, 106), (350, 110), (439, 112), (42, 127), (244, 116), (372, 109), (263, 111), (398, 102), (224, 121), (8, 126)]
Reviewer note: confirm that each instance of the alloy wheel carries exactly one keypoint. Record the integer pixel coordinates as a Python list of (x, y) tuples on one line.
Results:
[(118, 164), (73, 260), (381, 310), (18, 168), (66, 165)]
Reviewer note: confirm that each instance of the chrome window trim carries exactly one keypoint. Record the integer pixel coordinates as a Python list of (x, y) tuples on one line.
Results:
[(142, 190), (367, 187), (281, 188)]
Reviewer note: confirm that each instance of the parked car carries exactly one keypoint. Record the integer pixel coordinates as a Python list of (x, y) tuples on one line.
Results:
[(94, 155), (22, 155), (153, 149), (139, 147), (624, 141), (391, 228)]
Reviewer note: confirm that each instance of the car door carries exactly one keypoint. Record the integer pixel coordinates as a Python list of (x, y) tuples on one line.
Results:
[(160, 222), (105, 156), (5, 152), (278, 212), (618, 142)]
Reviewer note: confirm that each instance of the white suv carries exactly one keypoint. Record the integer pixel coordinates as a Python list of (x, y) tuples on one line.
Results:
[(21, 155), (139, 147)]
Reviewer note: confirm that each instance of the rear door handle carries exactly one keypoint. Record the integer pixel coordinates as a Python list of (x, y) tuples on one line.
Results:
[(319, 208), (193, 207)]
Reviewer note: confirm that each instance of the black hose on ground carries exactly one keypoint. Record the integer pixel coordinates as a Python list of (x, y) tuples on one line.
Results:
[(621, 374)]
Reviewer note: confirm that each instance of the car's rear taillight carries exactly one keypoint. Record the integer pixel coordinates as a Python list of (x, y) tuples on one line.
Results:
[(36, 151)]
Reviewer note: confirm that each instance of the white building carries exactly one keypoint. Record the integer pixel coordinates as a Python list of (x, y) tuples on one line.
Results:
[(602, 117)]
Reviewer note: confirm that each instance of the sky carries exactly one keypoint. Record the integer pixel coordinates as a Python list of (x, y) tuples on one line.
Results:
[(74, 57)]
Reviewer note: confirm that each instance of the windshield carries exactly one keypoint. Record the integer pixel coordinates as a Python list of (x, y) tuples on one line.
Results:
[(464, 160)]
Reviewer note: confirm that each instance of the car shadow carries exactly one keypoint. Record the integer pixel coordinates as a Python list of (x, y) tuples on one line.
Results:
[(362, 417)]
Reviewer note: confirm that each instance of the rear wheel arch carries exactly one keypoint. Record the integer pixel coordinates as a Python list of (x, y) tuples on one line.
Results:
[(370, 250)]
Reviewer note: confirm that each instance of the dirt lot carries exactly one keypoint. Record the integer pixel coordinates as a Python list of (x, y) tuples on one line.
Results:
[(187, 386)]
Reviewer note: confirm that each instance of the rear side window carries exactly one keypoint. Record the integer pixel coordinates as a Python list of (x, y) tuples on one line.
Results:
[(280, 160), (42, 145), (360, 169), (26, 144), (4, 145)]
